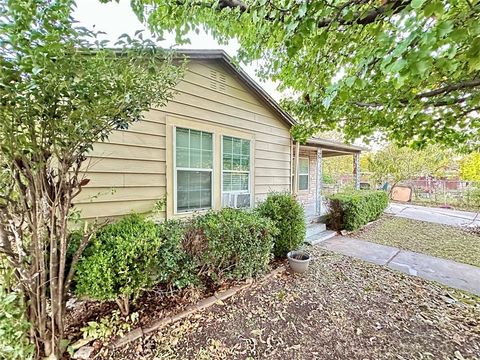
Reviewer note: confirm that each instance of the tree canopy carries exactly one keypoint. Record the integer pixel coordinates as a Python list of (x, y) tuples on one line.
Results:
[(406, 69), (396, 164), (470, 167)]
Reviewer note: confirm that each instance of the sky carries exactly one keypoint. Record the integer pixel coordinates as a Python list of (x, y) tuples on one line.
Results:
[(116, 19)]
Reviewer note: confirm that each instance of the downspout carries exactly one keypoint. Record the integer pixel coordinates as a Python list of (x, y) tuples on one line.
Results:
[(297, 162), (319, 183)]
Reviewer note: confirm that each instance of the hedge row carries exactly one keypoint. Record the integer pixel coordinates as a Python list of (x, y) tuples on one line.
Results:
[(351, 210), (135, 253)]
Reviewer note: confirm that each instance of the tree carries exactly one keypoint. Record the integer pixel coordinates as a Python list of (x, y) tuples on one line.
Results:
[(408, 68), (470, 167), (61, 91), (402, 163)]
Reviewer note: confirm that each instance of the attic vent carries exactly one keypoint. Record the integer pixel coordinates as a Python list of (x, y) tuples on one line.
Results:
[(213, 81), (218, 80), (222, 80)]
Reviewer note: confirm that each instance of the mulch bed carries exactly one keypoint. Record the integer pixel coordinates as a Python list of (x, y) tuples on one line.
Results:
[(152, 305), (341, 308)]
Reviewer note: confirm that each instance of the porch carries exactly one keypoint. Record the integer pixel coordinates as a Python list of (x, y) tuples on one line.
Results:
[(308, 185)]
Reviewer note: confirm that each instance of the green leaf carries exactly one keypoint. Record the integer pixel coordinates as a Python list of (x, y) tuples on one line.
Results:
[(416, 4)]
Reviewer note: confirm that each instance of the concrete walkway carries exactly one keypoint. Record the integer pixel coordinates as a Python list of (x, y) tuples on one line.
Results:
[(435, 215), (447, 272)]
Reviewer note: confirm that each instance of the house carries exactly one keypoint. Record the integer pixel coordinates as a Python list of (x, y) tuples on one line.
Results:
[(222, 141)]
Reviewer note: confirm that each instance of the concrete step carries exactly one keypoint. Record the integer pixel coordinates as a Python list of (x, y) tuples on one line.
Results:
[(318, 238), (312, 219), (315, 228)]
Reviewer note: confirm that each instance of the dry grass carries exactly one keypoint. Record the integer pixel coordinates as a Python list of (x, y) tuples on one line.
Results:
[(341, 308), (443, 241)]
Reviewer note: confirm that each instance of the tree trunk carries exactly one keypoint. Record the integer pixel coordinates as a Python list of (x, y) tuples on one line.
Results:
[(34, 237), (123, 303)]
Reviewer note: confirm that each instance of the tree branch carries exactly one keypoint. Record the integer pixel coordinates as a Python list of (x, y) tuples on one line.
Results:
[(449, 88), (360, 18), (370, 17)]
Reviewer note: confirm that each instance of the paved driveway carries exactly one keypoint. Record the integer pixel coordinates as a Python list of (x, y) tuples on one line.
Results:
[(435, 215)]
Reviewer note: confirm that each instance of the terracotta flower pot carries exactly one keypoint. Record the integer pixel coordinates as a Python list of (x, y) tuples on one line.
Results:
[(298, 261)]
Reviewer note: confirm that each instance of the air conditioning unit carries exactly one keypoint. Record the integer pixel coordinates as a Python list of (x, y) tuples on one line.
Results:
[(236, 200)]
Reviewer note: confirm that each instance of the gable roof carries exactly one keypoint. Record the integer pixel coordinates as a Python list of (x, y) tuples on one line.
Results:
[(244, 78), (241, 75)]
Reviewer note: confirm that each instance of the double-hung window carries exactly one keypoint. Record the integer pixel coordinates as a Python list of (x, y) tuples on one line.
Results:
[(303, 173), (235, 172), (193, 169)]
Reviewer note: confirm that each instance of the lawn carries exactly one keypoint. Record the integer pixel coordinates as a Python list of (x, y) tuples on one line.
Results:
[(342, 308), (428, 238)]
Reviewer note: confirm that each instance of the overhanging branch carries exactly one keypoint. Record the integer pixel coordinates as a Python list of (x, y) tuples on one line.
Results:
[(360, 18), (449, 88)]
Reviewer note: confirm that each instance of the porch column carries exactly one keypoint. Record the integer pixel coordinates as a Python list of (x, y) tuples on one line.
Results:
[(319, 184), (356, 170), (297, 162)]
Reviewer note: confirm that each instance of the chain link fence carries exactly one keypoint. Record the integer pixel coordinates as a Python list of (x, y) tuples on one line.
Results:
[(425, 190), (448, 193)]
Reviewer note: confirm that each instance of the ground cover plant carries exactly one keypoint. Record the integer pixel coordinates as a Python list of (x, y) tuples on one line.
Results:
[(439, 240)]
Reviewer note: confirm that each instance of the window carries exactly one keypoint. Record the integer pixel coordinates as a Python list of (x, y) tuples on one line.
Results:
[(303, 173), (236, 164), (193, 168), (235, 172)]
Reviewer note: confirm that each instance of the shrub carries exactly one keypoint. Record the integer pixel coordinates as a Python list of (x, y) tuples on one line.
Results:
[(120, 261), (131, 255), (351, 210), (14, 327), (230, 244), (289, 218), (174, 268)]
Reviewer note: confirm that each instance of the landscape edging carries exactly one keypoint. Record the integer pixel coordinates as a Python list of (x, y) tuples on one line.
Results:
[(199, 306)]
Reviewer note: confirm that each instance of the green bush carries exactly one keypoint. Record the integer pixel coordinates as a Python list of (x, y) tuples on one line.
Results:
[(353, 209), (289, 218), (230, 244), (132, 255), (120, 261), (174, 268), (14, 327)]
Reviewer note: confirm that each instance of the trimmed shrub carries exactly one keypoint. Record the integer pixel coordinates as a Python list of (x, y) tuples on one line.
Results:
[(289, 218), (132, 255), (174, 267), (353, 209), (230, 244)]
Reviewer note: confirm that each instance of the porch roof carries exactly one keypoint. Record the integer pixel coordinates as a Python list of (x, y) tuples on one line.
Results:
[(332, 148)]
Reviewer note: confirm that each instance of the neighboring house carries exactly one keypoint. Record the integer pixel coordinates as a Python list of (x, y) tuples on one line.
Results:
[(222, 141)]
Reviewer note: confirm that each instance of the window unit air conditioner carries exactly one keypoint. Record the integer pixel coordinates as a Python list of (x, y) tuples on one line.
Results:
[(236, 200)]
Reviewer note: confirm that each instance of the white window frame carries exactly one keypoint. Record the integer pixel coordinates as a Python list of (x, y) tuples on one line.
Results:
[(175, 169), (250, 167), (249, 172), (304, 174)]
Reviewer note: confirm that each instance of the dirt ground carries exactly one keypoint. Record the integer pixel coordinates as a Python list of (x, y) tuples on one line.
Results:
[(341, 308)]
